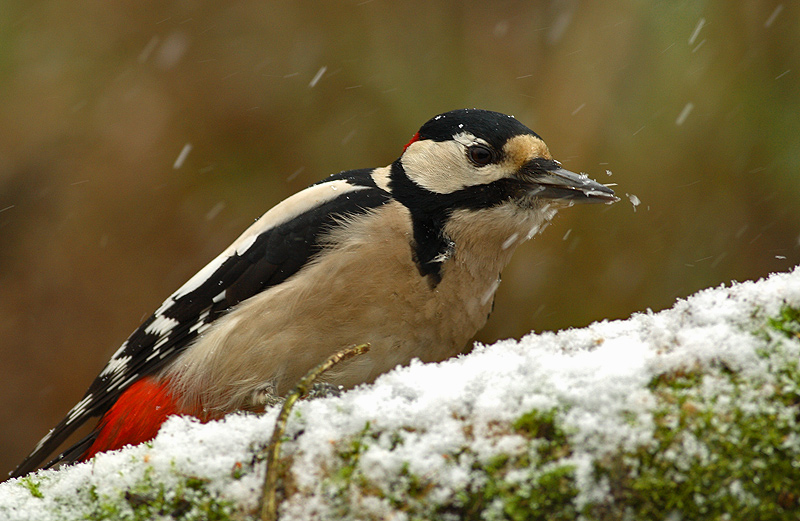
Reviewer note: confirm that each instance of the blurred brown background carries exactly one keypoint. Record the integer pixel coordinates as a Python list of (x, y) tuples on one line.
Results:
[(694, 106)]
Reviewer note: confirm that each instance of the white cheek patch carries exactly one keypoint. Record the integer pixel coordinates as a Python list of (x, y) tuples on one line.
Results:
[(443, 166), (437, 166)]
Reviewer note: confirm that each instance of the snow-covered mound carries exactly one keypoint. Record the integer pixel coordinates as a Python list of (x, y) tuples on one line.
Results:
[(689, 413)]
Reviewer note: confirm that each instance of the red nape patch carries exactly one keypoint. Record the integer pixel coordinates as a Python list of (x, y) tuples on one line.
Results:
[(135, 417), (415, 137)]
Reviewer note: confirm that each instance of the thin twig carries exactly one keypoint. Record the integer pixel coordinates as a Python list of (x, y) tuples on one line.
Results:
[(269, 505)]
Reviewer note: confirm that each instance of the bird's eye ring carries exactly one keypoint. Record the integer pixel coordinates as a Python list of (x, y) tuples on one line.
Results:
[(480, 155)]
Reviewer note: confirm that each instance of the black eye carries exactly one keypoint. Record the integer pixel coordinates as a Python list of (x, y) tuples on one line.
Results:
[(480, 155)]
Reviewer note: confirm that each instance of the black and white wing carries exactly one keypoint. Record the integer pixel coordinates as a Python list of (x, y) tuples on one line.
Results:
[(275, 247)]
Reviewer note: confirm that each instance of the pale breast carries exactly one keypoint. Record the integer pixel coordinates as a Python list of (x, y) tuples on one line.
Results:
[(365, 288)]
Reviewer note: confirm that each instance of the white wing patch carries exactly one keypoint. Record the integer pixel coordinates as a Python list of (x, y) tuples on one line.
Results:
[(161, 325), (115, 381), (79, 408), (116, 365), (380, 176), (246, 243), (196, 281), (283, 212), (43, 441), (200, 325), (119, 351)]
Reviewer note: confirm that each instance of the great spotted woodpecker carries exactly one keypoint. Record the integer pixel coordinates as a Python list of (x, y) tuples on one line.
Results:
[(406, 257)]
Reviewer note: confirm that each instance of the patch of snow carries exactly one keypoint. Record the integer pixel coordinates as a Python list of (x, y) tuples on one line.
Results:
[(419, 414)]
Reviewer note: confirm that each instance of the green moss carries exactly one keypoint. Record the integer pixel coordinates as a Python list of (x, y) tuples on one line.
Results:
[(350, 454), (725, 446), (539, 494), (677, 380), (536, 424), (550, 439), (32, 486), (238, 471), (530, 484), (787, 322), (533, 485), (146, 500)]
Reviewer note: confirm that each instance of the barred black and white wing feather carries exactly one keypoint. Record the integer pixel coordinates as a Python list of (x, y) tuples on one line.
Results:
[(273, 249)]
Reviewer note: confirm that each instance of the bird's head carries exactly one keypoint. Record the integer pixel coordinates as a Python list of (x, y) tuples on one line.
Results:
[(483, 182), (481, 158)]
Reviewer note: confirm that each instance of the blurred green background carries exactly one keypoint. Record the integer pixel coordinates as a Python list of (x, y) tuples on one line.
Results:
[(693, 106)]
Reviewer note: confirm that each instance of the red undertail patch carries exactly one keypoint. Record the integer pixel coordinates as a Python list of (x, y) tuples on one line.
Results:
[(135, 417)]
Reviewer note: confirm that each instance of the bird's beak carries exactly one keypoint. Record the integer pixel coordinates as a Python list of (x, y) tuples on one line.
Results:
[(549, 181)]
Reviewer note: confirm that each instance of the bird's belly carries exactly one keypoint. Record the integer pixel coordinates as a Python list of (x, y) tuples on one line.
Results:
[(267, 343)]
